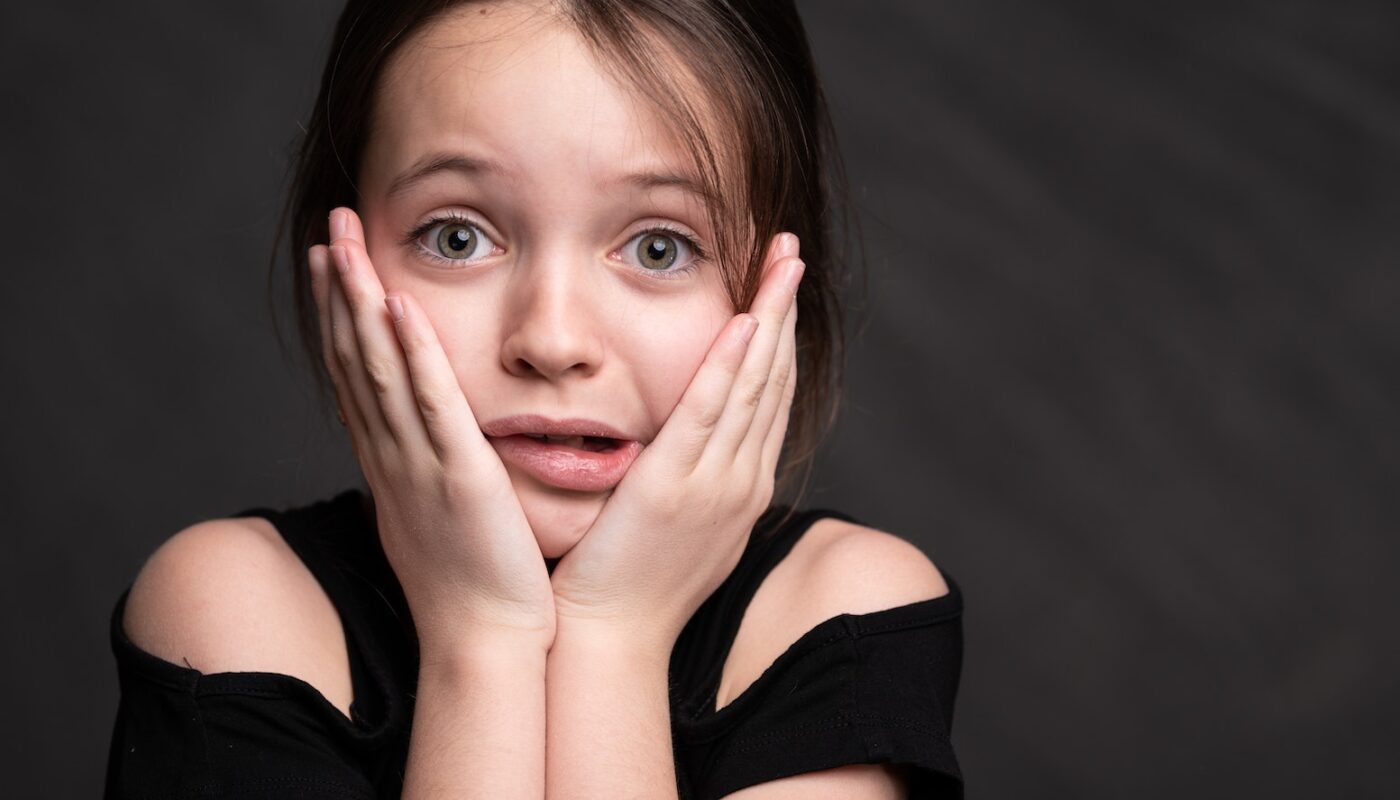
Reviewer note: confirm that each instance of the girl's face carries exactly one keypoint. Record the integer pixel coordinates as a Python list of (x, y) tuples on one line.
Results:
[(516, 191)]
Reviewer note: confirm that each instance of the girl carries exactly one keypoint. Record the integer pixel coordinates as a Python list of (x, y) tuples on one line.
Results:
[(524, 233)]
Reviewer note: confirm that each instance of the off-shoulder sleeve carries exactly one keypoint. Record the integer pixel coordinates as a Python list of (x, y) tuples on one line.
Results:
[(182, 734), (856, 689)]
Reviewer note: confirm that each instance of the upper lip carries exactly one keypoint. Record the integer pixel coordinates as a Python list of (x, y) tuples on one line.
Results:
[(539, 424)]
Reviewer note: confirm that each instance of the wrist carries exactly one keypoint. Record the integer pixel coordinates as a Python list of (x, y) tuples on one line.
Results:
[(613, 639), (479, 652)]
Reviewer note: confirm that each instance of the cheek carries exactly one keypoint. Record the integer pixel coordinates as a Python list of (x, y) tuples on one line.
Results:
[(666, 356), (464, 323), (467, 329)]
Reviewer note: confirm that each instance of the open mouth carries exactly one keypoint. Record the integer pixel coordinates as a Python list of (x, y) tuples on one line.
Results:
[(592, 444)]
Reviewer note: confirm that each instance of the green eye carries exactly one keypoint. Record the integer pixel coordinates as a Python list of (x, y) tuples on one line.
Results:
[(457, 241), (452, 237), (656, 251)]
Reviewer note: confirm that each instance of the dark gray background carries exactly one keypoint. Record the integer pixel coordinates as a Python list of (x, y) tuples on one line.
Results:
[(1130, 374)]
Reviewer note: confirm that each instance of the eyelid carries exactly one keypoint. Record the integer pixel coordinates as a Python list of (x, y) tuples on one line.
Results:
[(455, 215), (664, 224)]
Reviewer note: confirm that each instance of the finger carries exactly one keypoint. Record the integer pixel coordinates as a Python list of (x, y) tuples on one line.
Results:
[(347, 352), (777, 433), (346, 224), (381, 360), (448, 419), (336, 224), (751, 448), (774, 301), (318, 261), (691, 424)]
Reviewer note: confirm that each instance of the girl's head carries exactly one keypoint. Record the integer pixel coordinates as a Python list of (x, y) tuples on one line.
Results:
[(580, 194)]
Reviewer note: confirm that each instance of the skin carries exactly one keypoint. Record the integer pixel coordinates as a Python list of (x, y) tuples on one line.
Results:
[(557, 319), (554, 313)]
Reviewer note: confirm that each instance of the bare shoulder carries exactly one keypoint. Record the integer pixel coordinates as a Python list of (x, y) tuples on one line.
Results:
[(229, 595), (846, 568), (837, 567)]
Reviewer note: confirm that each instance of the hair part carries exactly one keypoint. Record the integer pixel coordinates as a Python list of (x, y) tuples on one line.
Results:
[(748, 107)]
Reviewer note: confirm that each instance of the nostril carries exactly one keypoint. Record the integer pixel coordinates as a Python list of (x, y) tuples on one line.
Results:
[(524, 367)]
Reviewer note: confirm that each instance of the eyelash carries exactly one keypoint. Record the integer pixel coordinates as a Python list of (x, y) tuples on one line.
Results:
[(701, 254), (411, 240)]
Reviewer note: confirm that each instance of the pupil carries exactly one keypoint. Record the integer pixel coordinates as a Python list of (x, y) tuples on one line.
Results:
[(656, 248), (456, 239)]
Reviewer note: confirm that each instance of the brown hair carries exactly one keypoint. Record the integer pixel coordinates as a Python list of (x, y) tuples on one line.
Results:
[(753, 66)]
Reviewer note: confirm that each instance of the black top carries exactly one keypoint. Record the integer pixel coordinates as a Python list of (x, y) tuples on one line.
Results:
[(854, 689)]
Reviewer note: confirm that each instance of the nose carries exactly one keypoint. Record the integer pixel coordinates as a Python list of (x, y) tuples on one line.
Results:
[(550, 325)]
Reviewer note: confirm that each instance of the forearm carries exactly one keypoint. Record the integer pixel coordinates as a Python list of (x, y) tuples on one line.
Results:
[(479, 724), (609, 718)]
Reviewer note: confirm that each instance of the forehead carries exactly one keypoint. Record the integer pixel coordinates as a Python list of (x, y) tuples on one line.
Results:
[(515, 85)]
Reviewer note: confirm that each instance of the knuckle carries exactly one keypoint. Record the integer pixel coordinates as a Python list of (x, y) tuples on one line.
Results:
[(444, 448), (669, 504), (707, 417), (344, 352), (381, 375), (752, 392), (431, 402), (784, 373), (437, 417)]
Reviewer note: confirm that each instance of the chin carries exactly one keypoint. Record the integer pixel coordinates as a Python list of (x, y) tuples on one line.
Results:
[(559, 518)]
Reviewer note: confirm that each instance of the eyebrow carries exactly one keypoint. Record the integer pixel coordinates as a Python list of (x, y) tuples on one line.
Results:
[(434, 163), (659, 180), (472, 166)]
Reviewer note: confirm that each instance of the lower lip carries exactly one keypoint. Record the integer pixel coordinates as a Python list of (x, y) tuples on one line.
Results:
[(566, 467)]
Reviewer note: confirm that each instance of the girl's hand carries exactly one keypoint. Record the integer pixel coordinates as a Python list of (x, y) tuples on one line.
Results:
[(680, 518), (449, 520)]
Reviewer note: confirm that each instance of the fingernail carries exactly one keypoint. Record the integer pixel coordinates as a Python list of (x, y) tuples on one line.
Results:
[(337, 224), (341, 258), (795, 275), (395, 307), (790, 244), (747, 328)]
